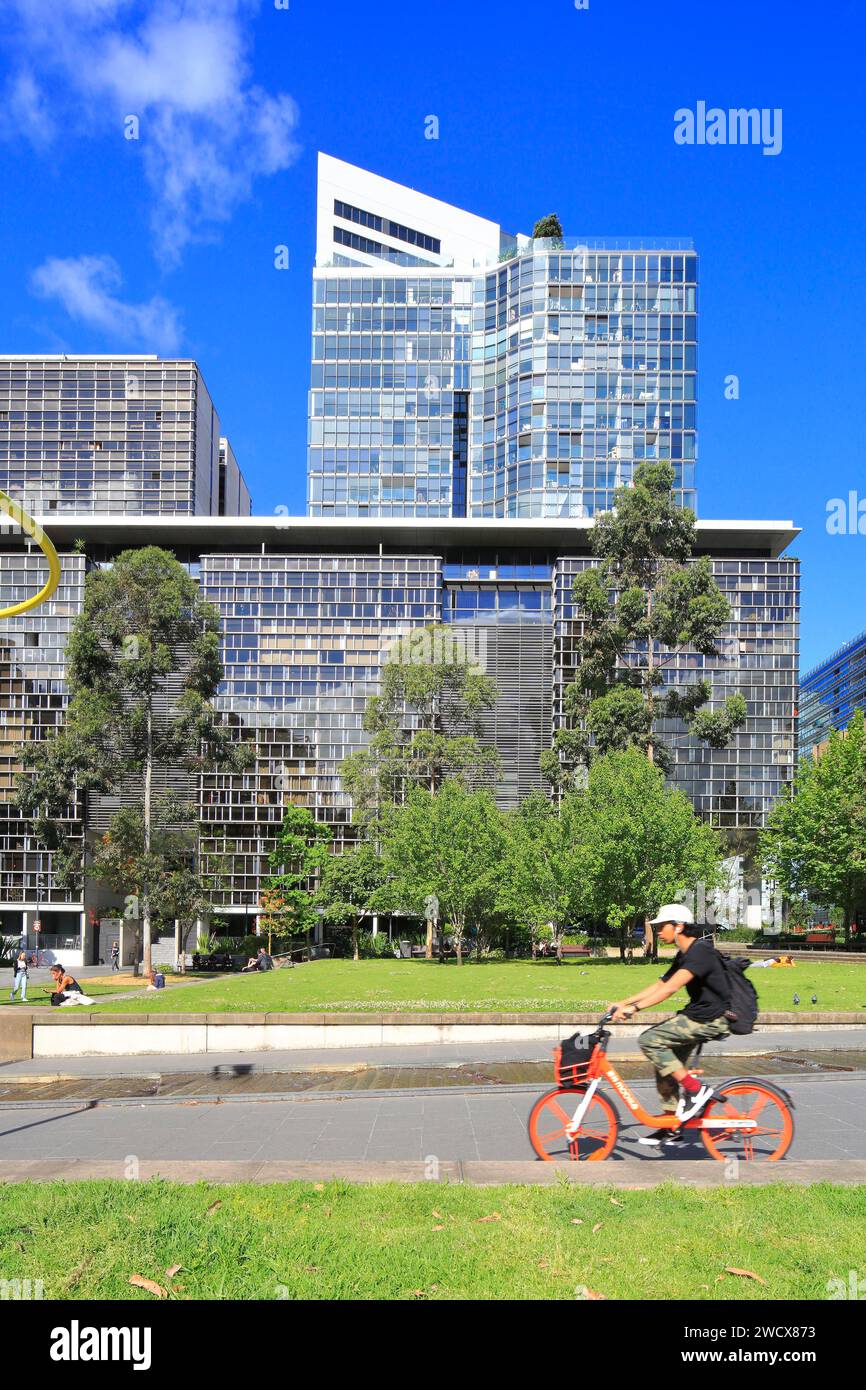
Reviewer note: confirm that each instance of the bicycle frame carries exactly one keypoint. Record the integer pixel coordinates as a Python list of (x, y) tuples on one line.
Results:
[(600, 1068)]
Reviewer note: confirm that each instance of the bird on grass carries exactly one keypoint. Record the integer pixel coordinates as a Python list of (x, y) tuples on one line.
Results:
[(796, 997), (814, 998)]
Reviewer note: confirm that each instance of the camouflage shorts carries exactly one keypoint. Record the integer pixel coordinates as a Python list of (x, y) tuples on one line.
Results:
[(669, 1045)]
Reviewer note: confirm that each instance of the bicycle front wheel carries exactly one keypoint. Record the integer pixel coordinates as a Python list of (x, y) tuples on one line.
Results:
[(771, 1134), (553, 1113)]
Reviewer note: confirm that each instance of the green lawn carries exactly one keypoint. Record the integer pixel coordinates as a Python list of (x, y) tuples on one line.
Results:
[(306, 1241), (427, 987), (37, 995)]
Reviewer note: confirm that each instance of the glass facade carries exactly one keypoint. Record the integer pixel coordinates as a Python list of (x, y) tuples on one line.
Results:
[(111, 434), (571, 364), (304, 637), (831, 692), (390, 369), (33, 697), (734, 786), (583, 364)]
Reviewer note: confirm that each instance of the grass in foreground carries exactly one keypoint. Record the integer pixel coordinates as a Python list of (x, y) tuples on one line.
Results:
[(526, 986), (392, 1241)]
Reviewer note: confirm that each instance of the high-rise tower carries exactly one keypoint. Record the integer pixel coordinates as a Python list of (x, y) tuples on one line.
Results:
[(102, 433), (461, 371)]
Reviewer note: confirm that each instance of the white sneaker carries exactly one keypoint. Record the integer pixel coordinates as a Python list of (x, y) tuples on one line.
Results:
[(661, 1138), (690, 1105)]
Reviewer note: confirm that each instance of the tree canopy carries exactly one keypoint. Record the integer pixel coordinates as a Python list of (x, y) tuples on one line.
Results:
[(349, 888), (425, 724), (548, 227), (643, 604), (300, 854), (143, 625), (814, 844), (638, 842), (451, 844)]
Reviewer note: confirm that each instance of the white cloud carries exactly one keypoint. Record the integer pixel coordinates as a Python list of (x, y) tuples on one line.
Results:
[(183, 68), (85, 286), (26, 111)]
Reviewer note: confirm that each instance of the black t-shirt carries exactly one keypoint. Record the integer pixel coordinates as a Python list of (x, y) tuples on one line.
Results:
[(708, 990)]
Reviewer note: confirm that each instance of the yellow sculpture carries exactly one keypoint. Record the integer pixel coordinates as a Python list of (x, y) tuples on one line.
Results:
[(32, 528)]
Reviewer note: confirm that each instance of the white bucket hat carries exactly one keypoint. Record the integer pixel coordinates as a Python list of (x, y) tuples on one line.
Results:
[(673, 912)]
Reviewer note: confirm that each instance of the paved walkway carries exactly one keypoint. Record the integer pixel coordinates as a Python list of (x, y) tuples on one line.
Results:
[(475, 1124)]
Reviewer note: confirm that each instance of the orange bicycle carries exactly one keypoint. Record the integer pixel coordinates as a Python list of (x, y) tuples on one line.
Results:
[(747, 1118)]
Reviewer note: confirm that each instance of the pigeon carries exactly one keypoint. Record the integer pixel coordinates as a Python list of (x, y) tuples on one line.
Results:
[(814, 998), (796, 997)]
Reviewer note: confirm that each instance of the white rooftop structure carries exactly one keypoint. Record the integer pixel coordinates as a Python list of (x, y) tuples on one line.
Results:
[(355, 207)]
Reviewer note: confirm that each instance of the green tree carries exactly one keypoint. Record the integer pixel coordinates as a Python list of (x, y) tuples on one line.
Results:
[(815, 840), (170, 871), (539, 883), (548, 227), (348, 889), (426, 723), (298, 858), (642, 605), (638, 843), (450, 844), (143, 622)]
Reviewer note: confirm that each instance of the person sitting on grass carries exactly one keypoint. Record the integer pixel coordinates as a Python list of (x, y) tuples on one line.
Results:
[(698, 969), (66, 989)]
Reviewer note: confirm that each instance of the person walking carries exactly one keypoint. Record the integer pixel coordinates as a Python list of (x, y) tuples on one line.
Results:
[(19, 977), (115, 957)]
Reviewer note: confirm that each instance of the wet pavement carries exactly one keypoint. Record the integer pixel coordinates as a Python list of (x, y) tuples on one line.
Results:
[(246, 1081)]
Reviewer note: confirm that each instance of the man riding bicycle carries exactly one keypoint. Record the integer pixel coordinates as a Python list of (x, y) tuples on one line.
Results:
[(668, 1046)]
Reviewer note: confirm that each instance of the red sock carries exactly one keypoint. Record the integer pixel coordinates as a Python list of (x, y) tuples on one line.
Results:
[(690, 1084)]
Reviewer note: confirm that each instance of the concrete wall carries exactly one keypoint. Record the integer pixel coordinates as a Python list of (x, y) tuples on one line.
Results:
[(135, 1035)]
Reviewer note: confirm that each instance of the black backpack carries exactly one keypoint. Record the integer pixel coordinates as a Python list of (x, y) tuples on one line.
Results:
[(742, 1011)]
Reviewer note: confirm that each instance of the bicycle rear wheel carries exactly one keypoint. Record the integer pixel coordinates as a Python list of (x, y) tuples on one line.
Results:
[(552, 1113), (749, 1099)]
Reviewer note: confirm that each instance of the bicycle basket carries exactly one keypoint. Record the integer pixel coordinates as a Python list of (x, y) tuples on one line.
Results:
[(572, 1060)]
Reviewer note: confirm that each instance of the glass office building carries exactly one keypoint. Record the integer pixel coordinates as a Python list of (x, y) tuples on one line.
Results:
[(475, 400), (831, 692), (483, 374), (33, 697), (133, 434), (310, 609)]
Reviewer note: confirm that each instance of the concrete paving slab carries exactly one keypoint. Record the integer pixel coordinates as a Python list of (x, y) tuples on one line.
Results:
[(482, 1173)]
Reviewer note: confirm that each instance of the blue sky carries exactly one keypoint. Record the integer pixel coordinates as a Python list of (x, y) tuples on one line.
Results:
[(167, 242)]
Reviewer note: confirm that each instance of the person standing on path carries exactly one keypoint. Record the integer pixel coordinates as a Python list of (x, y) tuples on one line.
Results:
[(19, 977)]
